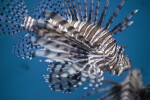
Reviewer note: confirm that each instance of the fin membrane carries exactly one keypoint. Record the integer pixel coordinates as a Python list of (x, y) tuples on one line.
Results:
[(12, 14), (24, 48)]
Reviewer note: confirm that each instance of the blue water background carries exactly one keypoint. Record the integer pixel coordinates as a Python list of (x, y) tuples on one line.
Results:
[(23, 79)]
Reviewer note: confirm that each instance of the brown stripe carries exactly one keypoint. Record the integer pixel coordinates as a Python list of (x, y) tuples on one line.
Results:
[(100, 40), (92, 33)]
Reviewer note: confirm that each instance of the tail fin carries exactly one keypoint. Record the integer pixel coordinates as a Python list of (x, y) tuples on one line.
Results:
[(12, 15)]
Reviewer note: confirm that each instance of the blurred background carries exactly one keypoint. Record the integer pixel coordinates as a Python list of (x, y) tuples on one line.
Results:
[(23, 79)]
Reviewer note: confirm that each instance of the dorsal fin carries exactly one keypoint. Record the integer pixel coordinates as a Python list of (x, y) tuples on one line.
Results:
[(115, 13), (68, 11), (103, 13), (91, 12), (96, 12), (123, 27), (125, 20), (64, 14), (80, 10), (75, 10), (71, 9), (85, 10)]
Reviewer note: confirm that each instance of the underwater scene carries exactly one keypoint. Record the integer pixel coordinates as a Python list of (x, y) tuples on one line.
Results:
[(74, 50)]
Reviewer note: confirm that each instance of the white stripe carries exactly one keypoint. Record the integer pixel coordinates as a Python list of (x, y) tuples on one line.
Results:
[(96, 60), (106, 40), (95, 35), (108, 50), (69, 21), (86, 29), (81, 25), (90, 31), (100, 36), (100, 65), (29, 18), (31, 24), (106, 45), (76, 24), (114, 59)]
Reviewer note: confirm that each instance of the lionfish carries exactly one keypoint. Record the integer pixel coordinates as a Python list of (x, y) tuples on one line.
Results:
[(69, 37), (131, 88)]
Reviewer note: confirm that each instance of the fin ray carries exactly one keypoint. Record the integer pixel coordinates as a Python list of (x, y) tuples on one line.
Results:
[(125, 20), (115, 13), (103, 13)]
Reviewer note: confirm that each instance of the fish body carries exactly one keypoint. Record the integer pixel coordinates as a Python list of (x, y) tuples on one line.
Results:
[(71, 39), (131, 88), (132, 85)]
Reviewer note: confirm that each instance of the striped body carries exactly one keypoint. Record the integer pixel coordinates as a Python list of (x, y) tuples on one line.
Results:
[(72, 40), (105, 47)]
